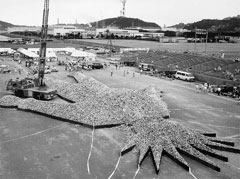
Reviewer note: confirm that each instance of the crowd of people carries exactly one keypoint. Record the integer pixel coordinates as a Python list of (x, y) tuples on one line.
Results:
[(231, 75), (231, 91), (205, 88)]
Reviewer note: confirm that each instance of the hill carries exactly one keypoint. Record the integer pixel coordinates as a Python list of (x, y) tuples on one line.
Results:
[(5, 25), (124, 22), (229, 24)]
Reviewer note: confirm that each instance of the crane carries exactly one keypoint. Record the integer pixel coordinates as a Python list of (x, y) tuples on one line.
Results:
[(35, 88), (42, 54)]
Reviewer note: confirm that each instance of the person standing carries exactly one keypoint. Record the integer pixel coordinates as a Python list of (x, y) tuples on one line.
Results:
[(111, 72), (133, 74), (197, 88), (205, 88), (218, 91)]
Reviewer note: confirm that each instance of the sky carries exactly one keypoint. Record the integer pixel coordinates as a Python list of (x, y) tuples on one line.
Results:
[(167, 12)]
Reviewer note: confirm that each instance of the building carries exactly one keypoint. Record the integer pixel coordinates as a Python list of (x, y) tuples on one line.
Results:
[(23, 29), (130, 32), (63, 30), (9, 39)]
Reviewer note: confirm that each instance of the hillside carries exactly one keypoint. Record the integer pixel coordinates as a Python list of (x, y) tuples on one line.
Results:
[(123, 22), (5, 25), (229, 24)]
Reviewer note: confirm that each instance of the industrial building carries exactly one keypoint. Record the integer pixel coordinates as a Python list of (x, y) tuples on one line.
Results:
[(90, 32), (23, 29), (63, 30), (9, 39)]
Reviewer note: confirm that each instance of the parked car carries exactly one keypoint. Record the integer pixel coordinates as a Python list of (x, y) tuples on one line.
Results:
[(230, 90), (182, 75), (170, 74), (54, 69), (87, 67), (47, 70), (96, 65), (61, 63), (4, 69), (215, 88)]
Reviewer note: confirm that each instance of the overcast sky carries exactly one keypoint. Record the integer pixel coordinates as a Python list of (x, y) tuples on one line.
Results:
[(168, 12)]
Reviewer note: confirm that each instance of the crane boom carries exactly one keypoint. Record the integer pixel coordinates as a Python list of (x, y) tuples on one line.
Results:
[(42, 54)]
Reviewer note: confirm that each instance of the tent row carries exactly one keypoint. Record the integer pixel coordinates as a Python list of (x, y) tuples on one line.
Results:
[(33, 53), (7, 50)]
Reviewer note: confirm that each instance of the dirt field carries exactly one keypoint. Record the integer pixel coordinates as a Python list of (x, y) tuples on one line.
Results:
[(231, 50), (33, 146)]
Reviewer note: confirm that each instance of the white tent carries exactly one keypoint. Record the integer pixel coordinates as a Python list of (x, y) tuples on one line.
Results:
[(69, 49), (27, 53), (7, 50), (34, 50), (82, 54), (51, 55), (49, 52)]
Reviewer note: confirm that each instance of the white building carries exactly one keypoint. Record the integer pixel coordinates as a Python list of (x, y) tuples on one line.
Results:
[(174, 29), (9, 39), (63, 30), (55, 30), (23, 29), (131, 32)]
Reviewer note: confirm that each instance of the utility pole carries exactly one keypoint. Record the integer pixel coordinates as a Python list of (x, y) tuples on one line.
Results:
[(206, 42), (159, 42), (195, 43)]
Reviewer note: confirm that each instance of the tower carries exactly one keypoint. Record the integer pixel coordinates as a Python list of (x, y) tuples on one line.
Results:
[(123, 10)]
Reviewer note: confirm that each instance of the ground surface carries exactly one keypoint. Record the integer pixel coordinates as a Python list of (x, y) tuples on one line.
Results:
[(33, 146)]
